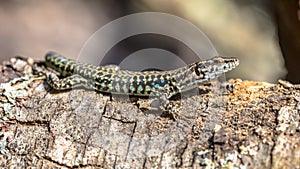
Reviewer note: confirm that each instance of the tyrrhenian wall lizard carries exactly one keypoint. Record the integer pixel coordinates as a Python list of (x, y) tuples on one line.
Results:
[(111, 79)]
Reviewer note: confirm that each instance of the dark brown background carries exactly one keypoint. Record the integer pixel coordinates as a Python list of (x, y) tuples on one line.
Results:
[(264, 35)]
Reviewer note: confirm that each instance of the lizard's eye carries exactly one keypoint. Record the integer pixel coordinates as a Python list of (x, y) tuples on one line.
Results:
[(197, 71), (200, 67)]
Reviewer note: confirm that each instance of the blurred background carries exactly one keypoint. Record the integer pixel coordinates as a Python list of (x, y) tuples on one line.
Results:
[(264, 35)]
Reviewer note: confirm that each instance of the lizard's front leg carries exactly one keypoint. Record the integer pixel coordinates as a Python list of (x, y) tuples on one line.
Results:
[(164, 103)]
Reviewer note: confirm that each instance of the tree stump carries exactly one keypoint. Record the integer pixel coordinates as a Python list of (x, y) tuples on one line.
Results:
[(242, 124)]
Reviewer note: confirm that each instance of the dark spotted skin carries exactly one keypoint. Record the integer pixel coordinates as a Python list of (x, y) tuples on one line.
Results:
[(110, 79)]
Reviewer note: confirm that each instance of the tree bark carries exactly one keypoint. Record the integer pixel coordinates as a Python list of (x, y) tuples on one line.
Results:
[(233, 124)]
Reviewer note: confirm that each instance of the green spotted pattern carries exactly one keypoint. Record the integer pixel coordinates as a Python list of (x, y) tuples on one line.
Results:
[(110, 79)]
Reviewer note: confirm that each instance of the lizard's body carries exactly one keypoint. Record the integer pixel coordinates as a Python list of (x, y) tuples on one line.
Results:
[(111, 79)]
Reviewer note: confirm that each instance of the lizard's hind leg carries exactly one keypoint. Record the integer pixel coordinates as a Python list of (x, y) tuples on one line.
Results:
[(68, 82)]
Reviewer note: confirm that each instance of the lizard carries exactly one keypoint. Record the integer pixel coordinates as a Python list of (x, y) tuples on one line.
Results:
[(112, 79)]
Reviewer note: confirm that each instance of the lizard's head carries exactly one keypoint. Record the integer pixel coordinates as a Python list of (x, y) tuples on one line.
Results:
[(203, 71), (213, 68)]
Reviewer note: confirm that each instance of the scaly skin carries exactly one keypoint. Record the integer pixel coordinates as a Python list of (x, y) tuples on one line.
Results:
[(110, 79)]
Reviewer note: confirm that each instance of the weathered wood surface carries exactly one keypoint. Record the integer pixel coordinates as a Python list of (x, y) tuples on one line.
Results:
[(241, 124)]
